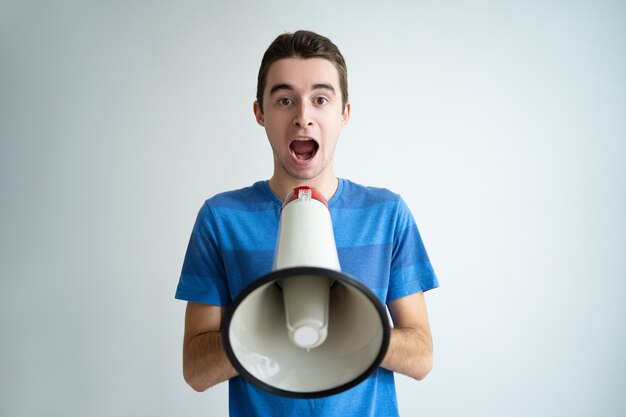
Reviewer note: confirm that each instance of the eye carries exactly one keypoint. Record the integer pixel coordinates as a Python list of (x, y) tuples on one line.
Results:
[(285, 101), (321, 101)]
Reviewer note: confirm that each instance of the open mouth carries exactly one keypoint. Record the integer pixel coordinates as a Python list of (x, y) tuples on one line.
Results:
[(304, 149)]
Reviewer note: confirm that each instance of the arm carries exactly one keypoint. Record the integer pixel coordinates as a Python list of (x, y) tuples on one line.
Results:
[(204, 360), (410, 348)]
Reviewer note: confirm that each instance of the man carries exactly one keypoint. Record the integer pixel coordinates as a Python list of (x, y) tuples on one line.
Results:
[(302, 102)]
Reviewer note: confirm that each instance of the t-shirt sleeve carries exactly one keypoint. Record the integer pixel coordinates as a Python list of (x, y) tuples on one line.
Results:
[(411, 270), (203, 276)]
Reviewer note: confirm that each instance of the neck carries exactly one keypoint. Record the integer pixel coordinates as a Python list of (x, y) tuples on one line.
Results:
[(282, 187)]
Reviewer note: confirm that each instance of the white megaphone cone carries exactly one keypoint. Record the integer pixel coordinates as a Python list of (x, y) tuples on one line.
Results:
[(306, 329)]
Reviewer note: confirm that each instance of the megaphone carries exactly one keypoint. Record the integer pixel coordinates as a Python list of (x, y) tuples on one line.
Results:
[(306, 330)]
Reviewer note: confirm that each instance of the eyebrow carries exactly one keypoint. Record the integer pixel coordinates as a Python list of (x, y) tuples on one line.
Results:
[(289, 87)]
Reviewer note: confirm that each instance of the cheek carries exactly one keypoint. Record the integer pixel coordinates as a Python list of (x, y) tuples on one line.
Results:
[(333, 126), (276, 123), (274, 134)]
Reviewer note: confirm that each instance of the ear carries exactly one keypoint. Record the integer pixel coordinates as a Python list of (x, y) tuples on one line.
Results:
[(345, 116), (258, 113)]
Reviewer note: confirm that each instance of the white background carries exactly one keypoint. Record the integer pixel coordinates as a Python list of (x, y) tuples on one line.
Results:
[(501, 123)]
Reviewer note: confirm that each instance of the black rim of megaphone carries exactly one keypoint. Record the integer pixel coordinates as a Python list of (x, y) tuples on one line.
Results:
[(305, 270)]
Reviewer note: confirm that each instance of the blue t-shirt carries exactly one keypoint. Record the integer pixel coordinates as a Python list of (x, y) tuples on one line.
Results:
[(233, 243)]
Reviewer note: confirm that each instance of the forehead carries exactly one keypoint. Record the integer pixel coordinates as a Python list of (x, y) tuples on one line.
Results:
[(302, 73)]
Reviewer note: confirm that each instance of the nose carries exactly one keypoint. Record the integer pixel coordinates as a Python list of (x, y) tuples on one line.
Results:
[(302, 117)]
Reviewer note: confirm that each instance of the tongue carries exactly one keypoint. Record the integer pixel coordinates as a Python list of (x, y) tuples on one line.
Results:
[(303, 148)]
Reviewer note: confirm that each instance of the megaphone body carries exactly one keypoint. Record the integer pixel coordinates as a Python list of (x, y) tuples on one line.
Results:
[(306, 329)]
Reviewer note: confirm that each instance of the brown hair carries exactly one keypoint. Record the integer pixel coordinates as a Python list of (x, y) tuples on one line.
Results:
[(302, 44)]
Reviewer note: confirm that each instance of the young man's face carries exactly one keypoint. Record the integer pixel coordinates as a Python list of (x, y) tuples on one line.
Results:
[(302, 115)]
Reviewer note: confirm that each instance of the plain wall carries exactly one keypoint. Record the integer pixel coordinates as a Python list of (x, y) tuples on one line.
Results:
[(501, 123)]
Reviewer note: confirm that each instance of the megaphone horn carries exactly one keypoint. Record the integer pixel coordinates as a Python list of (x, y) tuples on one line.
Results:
[(306, 330)]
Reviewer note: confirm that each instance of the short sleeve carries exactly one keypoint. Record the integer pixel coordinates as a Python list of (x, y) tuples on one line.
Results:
[(203, 277), (411, 270)]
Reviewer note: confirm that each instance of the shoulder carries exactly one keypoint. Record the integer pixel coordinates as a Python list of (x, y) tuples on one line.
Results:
[(237, 212), (252, 198), (360, 196)]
